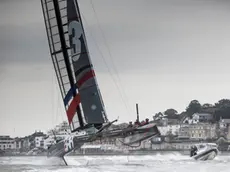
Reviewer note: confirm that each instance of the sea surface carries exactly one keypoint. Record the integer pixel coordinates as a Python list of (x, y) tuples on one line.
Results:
[(173, 162)]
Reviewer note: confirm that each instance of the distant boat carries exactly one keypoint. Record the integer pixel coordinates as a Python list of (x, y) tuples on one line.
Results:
[(204, 151), (77, 82)]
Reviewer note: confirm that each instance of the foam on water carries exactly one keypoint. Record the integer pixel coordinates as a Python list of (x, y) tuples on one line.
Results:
[(173, 162)]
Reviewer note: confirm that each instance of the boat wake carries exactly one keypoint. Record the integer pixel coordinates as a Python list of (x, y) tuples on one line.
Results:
[(159, 162), (102, 160)]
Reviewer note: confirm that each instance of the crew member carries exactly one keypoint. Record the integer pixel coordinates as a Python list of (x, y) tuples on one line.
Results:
[(193, 151), (146, 121), (137, 123), (130, 124)]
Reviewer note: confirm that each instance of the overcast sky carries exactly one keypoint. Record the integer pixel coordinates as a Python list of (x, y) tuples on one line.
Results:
[(165, 53)]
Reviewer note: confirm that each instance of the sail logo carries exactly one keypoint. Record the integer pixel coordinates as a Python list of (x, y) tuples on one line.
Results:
[(75, 32), (68, 145), (93, 107)]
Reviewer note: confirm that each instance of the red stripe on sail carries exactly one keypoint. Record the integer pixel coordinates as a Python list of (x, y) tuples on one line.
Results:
[(72, 108), (85, 77)]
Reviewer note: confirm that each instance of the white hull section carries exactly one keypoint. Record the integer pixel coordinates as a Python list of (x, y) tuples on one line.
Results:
[(206, 155), (206, 152)]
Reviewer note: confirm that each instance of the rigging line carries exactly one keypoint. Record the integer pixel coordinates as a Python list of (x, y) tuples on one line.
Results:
[(54, 88), (58, 103), (109, 51), (52, 96), (107, 67)]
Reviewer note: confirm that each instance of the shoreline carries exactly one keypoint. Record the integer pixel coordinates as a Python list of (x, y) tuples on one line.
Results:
[(134, 153)]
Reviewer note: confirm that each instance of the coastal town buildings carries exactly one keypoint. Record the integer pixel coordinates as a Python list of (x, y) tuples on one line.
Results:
[(202, 131), (184, 131), (39, 141), (176, 134), (169, 129), (6, 142)]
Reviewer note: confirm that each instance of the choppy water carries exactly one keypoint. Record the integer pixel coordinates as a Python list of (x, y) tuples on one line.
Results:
[(145, 163)]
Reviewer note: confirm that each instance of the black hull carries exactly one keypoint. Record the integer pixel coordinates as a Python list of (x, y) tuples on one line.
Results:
[(130, 136)]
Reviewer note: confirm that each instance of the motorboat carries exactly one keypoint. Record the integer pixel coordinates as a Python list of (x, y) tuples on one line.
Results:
[(204, 151)]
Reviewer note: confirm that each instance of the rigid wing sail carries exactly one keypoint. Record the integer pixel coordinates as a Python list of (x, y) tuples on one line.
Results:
[(77, 81)]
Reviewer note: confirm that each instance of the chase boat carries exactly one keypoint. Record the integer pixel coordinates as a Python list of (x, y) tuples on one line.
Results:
[(204, 151)]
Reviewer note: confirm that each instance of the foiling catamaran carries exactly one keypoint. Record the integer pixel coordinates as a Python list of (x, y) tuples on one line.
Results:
[(77, 82)]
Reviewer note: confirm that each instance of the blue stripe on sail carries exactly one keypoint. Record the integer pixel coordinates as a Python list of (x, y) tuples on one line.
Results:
[(69, 95)]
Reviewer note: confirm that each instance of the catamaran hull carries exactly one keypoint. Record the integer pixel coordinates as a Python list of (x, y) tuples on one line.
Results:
[(141, 134), (62, 148), (130, 136), (206, 155)]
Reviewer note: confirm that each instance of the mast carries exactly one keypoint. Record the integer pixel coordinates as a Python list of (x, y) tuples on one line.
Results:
[(137, 110)]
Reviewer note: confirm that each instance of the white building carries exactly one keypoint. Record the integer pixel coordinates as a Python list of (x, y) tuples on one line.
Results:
[(51, 139), (202, 131), (173, 129), (193, 120), (6, 143), (64, 126), (223, 123), (18, 143), (199, 117), (39, 142), (48, 142)]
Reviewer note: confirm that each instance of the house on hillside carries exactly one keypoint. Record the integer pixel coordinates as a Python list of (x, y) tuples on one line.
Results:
[(193, 120), (205, 117), (199, 118), (171, 120)]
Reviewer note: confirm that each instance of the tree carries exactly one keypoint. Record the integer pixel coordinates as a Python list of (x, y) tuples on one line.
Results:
[(157, 116), (223, 103), (222, 109), (208, 108), (207, 105), (193, 107), (170, 112)]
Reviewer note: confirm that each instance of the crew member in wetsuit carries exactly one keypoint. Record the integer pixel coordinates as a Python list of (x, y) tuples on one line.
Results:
[(193, 151), (137, 123), (146, 121), (130, 124)]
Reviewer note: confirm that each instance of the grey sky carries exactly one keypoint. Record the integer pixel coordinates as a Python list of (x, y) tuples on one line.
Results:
[(165, 52)]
